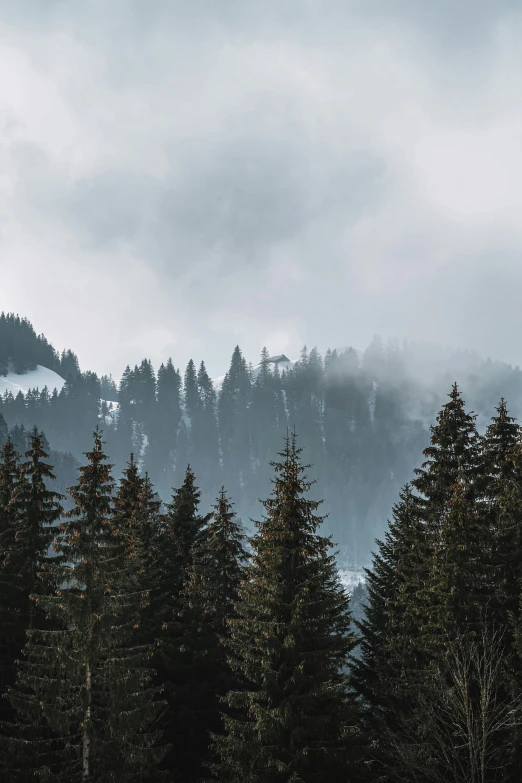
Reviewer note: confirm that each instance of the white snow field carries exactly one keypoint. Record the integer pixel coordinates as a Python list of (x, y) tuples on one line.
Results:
[(33, 379)]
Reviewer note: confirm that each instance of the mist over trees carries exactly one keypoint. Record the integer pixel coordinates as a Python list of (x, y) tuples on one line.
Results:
[(146, 633), (142, 641), (362, 418)]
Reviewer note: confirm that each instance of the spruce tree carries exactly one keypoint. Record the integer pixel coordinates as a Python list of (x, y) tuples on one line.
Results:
[(4, 432), (431, 580), (207, 603), (454, 525), (137, 520), (83, 697), (502, 458), (391, 666), (34, 511), (295, 719), (182, 529), (12, 630), (502, 455)]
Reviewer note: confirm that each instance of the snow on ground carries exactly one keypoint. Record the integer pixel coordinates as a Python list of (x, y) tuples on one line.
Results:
[(350, 579), (112, 410), (33, 379)]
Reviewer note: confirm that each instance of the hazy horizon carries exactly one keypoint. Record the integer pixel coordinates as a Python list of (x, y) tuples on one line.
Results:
[(182, 178)]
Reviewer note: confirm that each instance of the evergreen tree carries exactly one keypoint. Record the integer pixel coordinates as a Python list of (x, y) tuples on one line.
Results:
[(234, 414), (4, 431), (83, 698), (207, 603), (449, 483), (502, 458), (34, 511), (391, 667), (182, 531), (296, 719), (164, 444), (190, 390), (205, 436), (12, 632)]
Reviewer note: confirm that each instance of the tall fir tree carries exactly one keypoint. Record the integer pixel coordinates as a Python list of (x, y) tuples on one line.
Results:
[(34, 510), (83, 698), (12, 630), (182, 530), (502, 457), (4, 431), (453, 467), (296, 719), (207, 602), (390, 669)]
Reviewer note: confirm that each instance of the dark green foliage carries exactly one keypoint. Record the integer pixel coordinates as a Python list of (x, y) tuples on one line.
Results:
[(21, 348), (4, 431), (295, 719), (432, 579), (30, 510), (83, 697), (392, 661), (202, 673), (453, 453), (502, 455), (12, 630), (182, 529), (363, 421)]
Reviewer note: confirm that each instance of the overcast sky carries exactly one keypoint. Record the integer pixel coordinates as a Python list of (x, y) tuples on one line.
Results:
[(178, 176)]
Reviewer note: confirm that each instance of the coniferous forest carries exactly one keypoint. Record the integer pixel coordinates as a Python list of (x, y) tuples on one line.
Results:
[(363, 418), (152, 636)]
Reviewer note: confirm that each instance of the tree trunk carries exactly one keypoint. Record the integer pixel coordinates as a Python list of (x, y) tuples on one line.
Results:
[(86, 726)]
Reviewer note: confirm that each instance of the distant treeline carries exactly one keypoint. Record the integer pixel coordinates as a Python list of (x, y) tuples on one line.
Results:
[(362, 418), (21, 349)]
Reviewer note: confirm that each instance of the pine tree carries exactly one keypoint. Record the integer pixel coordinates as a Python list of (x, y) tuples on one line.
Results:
[(137, 520), (190, 390), (296, 719), (168, 418), (12, 632), (4, 432), (34, 511), (207, 603), (454, 452), (502, 458), (182, 530), (83, 698), (453, 465), (431, 580), (205, 435), (30, 512), (234, 416), (391, 666)]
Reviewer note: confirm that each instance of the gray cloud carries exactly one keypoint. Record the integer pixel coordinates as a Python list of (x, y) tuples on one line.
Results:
[(201, 174)]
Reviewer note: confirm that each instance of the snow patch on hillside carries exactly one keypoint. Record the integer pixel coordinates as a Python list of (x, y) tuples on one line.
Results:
[(350, 579), (109, 410), (33, 379)]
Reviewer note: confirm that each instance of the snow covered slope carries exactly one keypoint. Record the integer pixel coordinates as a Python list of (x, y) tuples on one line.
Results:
[(33, 379)]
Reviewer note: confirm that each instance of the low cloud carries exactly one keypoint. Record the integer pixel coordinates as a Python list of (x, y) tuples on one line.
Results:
[(180, 178)]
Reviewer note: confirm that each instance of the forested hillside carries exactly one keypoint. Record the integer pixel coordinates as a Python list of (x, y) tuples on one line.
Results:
[(362, 417), (141, 642)]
